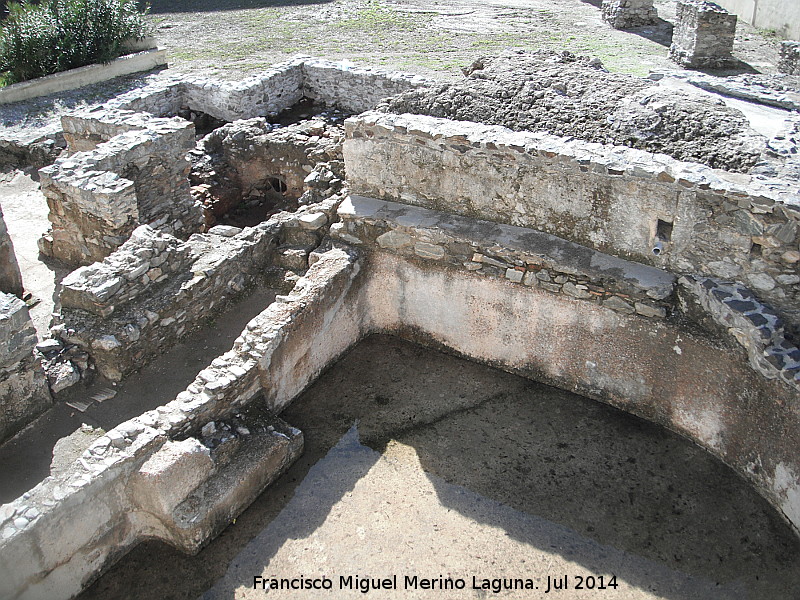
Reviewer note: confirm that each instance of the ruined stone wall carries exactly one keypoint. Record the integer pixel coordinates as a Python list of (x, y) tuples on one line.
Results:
[(350, 88), (133, 171), (23, 388), (684, 217), (142, 298), (10, 276), (153, 475), (260, 95), (703, 35), (789, 58), (624, 14)]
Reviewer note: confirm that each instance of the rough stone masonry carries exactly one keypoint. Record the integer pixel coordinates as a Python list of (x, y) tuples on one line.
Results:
[(625, 14), (23, 388), (703, 36)]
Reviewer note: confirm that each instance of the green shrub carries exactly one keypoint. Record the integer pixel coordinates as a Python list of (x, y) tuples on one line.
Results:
[(56, 35)]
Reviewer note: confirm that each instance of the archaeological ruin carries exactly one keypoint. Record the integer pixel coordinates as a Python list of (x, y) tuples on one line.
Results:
[(632, 240)]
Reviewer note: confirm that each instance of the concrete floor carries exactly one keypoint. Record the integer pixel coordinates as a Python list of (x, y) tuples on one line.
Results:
[(419, 463)]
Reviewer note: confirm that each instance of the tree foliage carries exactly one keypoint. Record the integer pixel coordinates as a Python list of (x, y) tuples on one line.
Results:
[(57, 35)]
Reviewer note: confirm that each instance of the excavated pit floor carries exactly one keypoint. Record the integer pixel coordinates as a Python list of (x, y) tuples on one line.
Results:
[(420, 463)]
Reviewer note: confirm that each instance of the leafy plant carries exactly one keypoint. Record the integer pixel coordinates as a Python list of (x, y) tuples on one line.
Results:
[(57, 35)]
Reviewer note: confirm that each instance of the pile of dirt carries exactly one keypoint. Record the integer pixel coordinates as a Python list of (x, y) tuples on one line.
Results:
[(567, 95)]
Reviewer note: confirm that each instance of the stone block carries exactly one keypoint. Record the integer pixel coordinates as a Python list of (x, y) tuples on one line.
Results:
[(625, 14), (170, 475), (10, 277), (703, 35)]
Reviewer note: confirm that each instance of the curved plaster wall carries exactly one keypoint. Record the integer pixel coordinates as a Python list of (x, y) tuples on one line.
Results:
[(663, 372)]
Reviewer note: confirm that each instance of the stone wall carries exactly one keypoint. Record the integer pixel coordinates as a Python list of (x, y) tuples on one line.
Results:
[(10, 276), (158, 475), (351, 88), (789, 58), (142, 298), (132, 170), (624, 14), (682, 217), (264, 94), (23, 388), (703, 35)]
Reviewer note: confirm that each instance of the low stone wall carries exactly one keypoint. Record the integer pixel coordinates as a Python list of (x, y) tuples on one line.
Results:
[(133, 170), (682, 217), (789, 58), (258, 96), (156, 475), (624, 14), (351, 88), (703, 35), (23, 387), (142, 298), (10, 276), (148, 257), (144, 60)]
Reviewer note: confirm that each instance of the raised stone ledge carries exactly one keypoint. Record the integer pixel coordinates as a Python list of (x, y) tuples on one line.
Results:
[(520, 255), (680, 216), (752, 324)]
